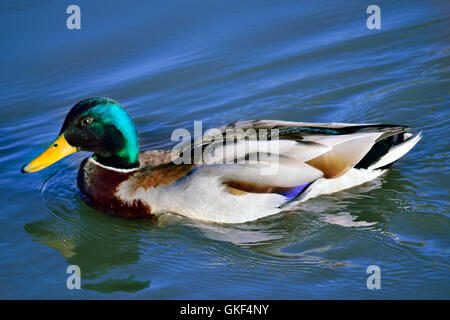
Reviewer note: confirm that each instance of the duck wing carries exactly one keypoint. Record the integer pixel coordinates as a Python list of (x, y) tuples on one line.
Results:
[(244, 153), (252, 172)]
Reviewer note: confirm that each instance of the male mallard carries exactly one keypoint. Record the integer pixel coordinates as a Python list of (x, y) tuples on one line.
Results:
[(312, 159)]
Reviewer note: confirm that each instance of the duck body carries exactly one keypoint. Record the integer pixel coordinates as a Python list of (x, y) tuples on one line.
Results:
[(311, 159), (232, 193)]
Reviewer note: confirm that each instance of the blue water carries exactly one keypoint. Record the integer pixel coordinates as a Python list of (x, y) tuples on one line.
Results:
[(170, 63)]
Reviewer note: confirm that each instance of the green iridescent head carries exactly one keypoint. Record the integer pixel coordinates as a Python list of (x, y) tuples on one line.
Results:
[(98, 125), (103, 126)]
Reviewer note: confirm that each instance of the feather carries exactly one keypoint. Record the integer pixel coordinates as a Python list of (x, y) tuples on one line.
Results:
[(255, 175), (344, 155), (396, 152)]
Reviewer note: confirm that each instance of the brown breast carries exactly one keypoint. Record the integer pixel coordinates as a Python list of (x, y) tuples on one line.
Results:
[(99, 185)]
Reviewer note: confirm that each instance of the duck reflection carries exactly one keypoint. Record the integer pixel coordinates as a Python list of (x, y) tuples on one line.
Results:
[(95, 243)]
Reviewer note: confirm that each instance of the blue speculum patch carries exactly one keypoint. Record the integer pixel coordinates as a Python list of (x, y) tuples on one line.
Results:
[(295, 191)]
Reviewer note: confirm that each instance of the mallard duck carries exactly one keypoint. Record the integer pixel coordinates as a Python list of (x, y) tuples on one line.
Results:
[(311, 159)]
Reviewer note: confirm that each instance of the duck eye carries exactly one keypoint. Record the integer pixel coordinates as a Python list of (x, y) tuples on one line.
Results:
[(86, 121)]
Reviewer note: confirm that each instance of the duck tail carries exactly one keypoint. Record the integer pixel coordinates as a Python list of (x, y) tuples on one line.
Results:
[(388, 149)]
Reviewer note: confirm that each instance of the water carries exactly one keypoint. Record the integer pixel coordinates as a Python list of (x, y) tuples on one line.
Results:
[(219, 61)]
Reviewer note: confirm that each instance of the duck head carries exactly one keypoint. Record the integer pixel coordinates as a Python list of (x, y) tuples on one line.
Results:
[(98, 125)]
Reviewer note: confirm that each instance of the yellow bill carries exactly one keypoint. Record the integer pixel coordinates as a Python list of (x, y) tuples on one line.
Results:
[(58, 150)]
